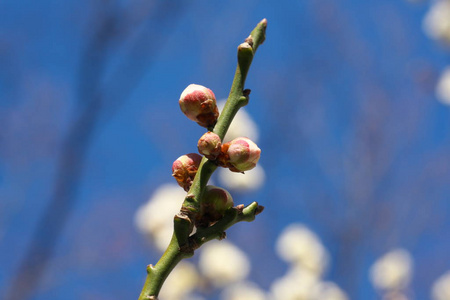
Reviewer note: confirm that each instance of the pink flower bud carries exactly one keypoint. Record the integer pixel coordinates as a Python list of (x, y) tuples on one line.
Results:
[(209, 145), (198, 103), (185, 168), (241, 154), (215, 202)]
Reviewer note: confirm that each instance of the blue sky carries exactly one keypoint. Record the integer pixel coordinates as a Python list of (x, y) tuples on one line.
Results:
[(354, 142)]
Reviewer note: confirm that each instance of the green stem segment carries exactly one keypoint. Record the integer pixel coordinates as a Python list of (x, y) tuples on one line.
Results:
[(156, 275), (237, 98), (231, 217), (183, 244)]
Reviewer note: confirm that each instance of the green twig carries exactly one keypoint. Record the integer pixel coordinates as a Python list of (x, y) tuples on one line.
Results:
[(217, 231), (183, 244)]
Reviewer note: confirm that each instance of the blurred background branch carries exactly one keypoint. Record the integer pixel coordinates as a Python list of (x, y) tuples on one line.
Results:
[(111, 27)]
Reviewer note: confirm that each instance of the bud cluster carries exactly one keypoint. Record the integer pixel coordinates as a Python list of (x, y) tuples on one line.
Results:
[(198, 103), (239, 155)]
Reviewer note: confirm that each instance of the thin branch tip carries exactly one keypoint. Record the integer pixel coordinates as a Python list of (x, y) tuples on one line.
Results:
[(259, 210)]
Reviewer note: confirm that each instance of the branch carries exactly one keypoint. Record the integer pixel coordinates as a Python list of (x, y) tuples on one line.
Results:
[(183, 244), (217, 231)]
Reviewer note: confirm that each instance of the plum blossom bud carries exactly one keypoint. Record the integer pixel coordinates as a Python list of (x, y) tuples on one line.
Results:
[(185, 168), (210, 145), (240, 154), (215, 202), (198, 103)]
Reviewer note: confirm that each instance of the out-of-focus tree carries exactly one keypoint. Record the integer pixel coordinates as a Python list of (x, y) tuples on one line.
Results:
[(120, 41)]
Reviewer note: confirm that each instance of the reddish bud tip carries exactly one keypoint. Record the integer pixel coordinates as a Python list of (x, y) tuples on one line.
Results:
[(185, 168), (209, 145), (198, 103), (241, 154)]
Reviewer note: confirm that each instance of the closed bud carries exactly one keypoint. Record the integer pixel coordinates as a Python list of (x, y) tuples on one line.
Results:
[(185, 168), (215, 202), (209, 145), (198, 103), (241, 154)]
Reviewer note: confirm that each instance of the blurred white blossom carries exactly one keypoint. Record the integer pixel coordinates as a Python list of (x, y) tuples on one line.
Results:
[(155, 218), (308, 259), (299, 245), (161, 238), (191, 297), (297, 284), (441, 287), (392, 271), (251, 180), (243, 291), (180, 283), (222, 263), (436, 23), (394, 295), (329, 291), (242, 125), (443, 87)]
